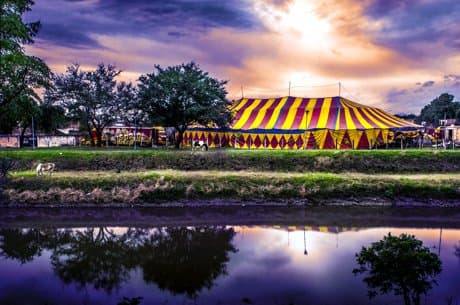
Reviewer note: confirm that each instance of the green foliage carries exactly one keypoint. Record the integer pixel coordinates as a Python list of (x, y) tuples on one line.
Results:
[(13, 31), (91, 97), (440, 108), (51, 117), (183, 95), (401, 265), (20, 74)]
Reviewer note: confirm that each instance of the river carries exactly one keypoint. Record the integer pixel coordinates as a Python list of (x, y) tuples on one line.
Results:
[(208, 263)]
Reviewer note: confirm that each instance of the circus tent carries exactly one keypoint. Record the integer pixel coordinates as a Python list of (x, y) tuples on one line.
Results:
[(304, 123)]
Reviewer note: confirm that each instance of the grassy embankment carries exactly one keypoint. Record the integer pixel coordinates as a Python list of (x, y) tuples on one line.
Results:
[(311, 177)]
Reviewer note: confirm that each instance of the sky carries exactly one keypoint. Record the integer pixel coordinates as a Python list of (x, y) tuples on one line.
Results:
[(397, 55)]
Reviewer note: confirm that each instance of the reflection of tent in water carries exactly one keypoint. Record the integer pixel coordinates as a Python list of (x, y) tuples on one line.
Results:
[(324, 229), (305, 123)]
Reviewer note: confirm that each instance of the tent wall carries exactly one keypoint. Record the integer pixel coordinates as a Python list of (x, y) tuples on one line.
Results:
[(319, 139)]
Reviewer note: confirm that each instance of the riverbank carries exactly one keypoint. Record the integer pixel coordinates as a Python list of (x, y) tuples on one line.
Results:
[(292, 218), (335, 161), (207, 188)]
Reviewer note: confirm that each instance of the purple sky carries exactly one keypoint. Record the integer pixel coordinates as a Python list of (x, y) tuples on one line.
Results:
[(394, 54)]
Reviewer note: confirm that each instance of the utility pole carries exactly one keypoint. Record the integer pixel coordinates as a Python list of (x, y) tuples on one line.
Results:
[(340, 88), (135, 133), (242, 92), (33, 133), (289, 90)]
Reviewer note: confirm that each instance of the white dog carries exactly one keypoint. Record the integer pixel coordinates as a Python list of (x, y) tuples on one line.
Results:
[(45, 167)]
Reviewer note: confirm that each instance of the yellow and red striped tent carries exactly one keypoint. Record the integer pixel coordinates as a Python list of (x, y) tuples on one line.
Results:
[(296, 123)]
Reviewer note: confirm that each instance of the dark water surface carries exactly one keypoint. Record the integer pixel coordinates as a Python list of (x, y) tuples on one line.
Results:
[(205, 265)]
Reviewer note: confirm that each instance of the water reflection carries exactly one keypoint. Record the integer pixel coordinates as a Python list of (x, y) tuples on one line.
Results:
[(399, 265), (181, 260), (204, 265)]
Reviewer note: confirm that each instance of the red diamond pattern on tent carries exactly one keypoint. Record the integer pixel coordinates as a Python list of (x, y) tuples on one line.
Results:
[(249, 141), (299, 141), (346, 142), (232, 141), (224, 140), (363, 141), (240, 140), (217, 140), (282, 142), (202, 138), (311, 143), (257, 142), (266, 142), (274, 142), (209, 138), (328, 142), (291, 142)]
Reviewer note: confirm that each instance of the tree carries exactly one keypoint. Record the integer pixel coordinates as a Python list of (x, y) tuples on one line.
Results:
[(398, 264), (441, 107), (182, 95), (91, 97), (186, 260), (19, 74), (51, 117)]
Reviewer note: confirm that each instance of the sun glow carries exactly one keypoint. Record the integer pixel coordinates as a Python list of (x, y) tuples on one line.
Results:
[(298, 18)]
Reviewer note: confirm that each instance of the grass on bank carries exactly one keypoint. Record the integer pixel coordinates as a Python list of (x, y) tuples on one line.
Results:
[(169, 185), (366, 161)]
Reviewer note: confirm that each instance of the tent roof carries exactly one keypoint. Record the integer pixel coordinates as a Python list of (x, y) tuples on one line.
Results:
[(298, 113)]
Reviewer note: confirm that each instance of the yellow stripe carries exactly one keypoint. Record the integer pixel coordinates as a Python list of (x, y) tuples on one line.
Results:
[(337, 122), (275, 114), (348, 119), (261, 114), (240, 105), (361, 119), (291, 114), (373, 118), (310, 107), (381, 118), (246, 114), (323, 116)]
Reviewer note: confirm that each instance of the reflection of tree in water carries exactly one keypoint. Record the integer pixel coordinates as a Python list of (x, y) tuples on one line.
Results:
[(24, 244), (184, 260), (401, 265), (457, 250), (181, 260), (94, 256)]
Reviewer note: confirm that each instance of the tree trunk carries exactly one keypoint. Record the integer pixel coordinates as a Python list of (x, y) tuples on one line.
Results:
[(21, 137), (180, 136), (99, 137)]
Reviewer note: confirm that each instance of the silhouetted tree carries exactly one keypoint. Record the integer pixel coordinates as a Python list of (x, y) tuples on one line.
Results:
[(179, 96), (186, 260), (441, 107), (94, 256), (401, 265)]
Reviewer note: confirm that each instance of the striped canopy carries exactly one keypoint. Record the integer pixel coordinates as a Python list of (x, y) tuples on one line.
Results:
[(297, 113)]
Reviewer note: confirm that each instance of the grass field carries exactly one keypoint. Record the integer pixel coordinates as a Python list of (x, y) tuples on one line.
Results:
[(313, 177), (367, 161)]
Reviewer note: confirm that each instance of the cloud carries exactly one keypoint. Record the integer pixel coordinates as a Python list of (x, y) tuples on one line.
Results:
[(67, 37), (377, 49), (416, 28), (155, 19)]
